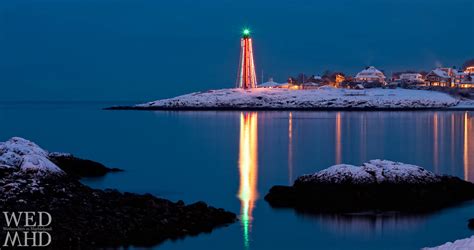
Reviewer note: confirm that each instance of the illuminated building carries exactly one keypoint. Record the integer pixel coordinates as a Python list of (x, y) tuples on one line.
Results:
[(370, 74), (339, 79), (247, 78), (450, 77), (469, 70), (411, 77), (440, 77), (270, 84)]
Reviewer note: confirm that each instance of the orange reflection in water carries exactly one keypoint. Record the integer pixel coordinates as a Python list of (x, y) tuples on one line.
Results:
[(435, 142), (338, 139), (468, 154), (248, 167), (290, 149)]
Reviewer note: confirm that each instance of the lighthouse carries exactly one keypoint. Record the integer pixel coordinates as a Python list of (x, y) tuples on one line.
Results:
[(246, 78)]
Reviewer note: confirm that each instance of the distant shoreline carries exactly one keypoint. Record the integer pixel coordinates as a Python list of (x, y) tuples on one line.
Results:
[(139, 108), (324, 99)]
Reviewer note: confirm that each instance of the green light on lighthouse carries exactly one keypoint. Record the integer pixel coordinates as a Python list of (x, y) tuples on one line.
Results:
[(246, 32)]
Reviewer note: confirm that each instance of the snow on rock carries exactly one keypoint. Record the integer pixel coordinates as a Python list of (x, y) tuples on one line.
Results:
[(59, 154), (26, 157), (373, 172), (265, 98), (464, 105), (376, 186), (462, 244)]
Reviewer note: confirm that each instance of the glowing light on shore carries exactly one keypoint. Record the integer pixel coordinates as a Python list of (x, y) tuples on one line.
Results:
[(248, 168)]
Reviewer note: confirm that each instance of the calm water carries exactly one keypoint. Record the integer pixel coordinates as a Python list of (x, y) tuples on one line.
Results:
[(231, 159)]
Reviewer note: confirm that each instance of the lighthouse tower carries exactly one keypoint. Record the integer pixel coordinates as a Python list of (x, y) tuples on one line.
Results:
[(247, 78)]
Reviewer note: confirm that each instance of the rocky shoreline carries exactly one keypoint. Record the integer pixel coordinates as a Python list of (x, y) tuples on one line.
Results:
[(83, 217), (78, 167), (376, 186), (230, 108), (322, 99)]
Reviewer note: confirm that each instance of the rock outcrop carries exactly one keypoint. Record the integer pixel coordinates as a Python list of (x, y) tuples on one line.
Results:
[(75, 166), (378, 185), (83, 217)]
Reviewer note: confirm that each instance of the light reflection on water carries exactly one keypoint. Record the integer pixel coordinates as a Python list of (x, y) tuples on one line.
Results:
[(441, 124), (467, 154), (290, 148), (367, 224), (338, 139), (216, 156), (248, 168)]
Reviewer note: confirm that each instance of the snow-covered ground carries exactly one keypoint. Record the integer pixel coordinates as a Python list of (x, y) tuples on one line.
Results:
[(463, 244), (464, 105), (373, 172), (26, 157), (322, 98)]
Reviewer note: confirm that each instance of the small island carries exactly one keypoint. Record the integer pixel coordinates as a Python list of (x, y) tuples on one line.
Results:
[(441, 89), (32, 179), (324, 98), (377, 186)]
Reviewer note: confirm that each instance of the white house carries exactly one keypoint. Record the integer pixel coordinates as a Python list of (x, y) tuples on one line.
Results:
[(411, 77), (440, 77), (463, 79), (370, 74), (269, 84), (317, 78), (469, 70)]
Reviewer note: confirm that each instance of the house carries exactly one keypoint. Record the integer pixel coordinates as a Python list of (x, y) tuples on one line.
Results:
[(313, 82), (411, 78), (464, 79), (467, 82), (310, 85), (458, 77), (469, 70), (468, 67), (317, 78), (440, 77), (339, 79), (269, 84), (468, 79), (370, 75)]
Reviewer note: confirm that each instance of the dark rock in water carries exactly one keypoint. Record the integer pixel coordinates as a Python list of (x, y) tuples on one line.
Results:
[(86, 218), (376, 186), (80, 167), (470, 224)]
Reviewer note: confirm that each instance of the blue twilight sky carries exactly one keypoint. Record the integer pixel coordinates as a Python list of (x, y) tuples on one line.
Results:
[(150, 49)]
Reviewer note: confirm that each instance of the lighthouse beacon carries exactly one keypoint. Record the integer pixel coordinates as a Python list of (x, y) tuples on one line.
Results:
[(246, 78)]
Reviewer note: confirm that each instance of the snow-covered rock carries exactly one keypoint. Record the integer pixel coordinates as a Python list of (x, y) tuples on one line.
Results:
[(373, 172), (31, 179), (25, 156), (463, 244), (323, 98), (59, 154), (464, 105), (377, 186)]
